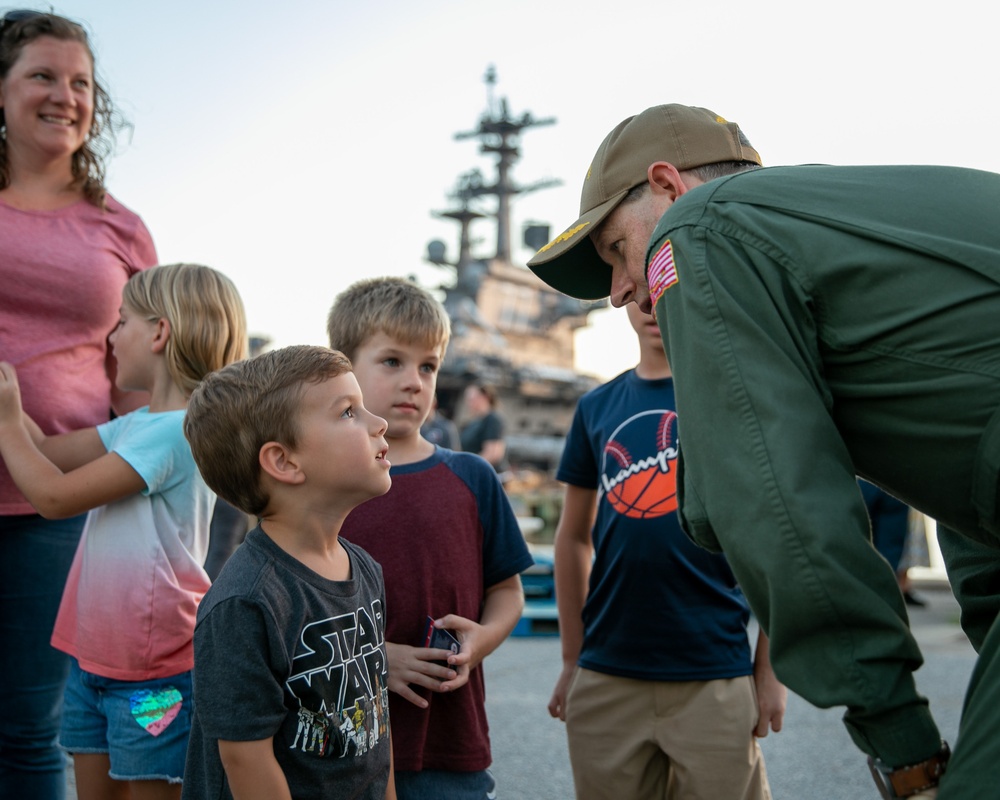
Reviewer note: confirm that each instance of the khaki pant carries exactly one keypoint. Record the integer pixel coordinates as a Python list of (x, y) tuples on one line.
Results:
[(686, 740)]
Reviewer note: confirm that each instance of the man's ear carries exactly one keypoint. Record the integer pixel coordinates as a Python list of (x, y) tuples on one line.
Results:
[(161, 335), (665, 181), (279, 462)]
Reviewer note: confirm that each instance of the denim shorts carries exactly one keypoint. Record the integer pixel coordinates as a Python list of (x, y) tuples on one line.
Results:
[(433, 784), (143, 726)]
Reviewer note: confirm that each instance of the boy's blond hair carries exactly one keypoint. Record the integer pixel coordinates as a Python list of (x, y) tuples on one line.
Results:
[(394, 306), (208, 327), (234, 412)]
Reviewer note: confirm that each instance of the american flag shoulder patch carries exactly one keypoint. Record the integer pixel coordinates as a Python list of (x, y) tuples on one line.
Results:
[(661, 272)]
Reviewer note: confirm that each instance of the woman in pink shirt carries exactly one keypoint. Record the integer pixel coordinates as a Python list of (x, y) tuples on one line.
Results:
[(66, 250)]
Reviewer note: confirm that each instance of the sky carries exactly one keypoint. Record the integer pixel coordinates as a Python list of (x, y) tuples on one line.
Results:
[(300, 146)]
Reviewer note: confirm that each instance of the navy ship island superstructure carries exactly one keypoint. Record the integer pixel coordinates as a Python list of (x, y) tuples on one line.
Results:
[(509, 328)]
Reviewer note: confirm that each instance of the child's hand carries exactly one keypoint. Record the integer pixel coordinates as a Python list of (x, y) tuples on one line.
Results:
[(474, 649), (415, 665), (772, 699), (557, 703), (10, 395)]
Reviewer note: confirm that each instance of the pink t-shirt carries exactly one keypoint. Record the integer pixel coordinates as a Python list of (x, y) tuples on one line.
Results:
[(61, 279)]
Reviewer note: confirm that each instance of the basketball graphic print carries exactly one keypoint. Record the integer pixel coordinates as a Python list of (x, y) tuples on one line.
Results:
[(638, 473)]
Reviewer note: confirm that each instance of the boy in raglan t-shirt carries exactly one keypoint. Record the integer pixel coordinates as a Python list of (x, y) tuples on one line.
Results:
[(446, 537)]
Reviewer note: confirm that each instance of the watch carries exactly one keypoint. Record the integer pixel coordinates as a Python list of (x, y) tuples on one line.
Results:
[(908, 780)]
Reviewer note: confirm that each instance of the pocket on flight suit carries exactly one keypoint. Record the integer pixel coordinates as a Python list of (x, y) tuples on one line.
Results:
[(691, 512), (986, 475)]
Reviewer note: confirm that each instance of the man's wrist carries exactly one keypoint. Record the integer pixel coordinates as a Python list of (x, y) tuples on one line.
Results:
[(908, 780)]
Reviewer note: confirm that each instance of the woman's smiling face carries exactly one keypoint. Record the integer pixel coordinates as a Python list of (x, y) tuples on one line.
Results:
[(48, 99)]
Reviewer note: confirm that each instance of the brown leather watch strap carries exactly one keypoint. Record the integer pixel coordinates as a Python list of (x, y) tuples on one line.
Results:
[(914, 778)]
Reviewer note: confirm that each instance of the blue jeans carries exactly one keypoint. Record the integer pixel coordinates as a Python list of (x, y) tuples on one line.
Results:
[(35, 556), (434, 784)]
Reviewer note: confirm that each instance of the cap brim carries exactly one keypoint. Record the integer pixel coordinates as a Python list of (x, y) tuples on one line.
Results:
[(570, 263)]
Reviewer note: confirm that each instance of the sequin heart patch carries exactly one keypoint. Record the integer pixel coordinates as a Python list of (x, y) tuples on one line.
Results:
[(155, 710)]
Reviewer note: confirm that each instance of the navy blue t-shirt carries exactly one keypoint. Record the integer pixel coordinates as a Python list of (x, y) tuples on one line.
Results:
[(659, 607)]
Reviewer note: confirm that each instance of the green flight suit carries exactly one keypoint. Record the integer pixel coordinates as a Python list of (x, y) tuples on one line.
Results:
[(826, 322)]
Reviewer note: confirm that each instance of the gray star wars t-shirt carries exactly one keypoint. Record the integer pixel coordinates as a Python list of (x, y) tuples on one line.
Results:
[(282, 652)]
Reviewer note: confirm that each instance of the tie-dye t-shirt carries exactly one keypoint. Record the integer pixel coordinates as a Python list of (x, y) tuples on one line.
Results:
[(128, 610)]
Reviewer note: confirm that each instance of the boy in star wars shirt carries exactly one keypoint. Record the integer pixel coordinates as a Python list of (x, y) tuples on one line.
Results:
[(290, 662)]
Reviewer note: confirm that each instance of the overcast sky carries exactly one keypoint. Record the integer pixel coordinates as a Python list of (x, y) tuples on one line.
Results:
[(301, 145)]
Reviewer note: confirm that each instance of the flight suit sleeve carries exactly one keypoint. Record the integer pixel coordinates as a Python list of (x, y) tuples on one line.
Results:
[(767, 476)]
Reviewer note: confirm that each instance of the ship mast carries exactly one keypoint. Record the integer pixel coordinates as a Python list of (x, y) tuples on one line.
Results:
[(499, 134), (508, 328)]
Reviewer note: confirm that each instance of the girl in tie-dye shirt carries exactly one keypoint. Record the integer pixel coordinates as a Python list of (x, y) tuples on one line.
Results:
[(128, 610)]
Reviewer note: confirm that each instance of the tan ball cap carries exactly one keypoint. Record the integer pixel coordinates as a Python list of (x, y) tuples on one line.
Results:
[(684, 136)]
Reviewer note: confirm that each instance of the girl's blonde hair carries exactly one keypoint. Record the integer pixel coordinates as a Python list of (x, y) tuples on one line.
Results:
[(208, 326)]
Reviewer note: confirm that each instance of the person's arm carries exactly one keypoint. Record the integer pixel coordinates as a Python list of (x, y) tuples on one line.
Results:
[(239, 653), (493, 451), (252, 770), (767, 476), (494, 445), (502, 609), (53, 493), (66, 450), (573, 561), (772, 696)]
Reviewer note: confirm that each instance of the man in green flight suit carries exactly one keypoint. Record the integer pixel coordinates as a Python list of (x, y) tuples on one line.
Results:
[(822, 322)]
